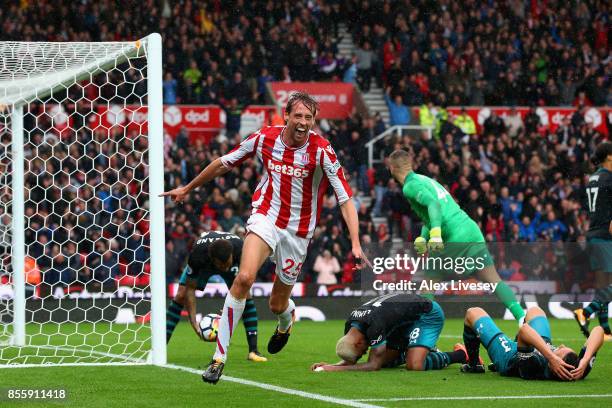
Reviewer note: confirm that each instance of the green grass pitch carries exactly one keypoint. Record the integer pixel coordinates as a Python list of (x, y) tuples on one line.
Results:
[(147, 386)]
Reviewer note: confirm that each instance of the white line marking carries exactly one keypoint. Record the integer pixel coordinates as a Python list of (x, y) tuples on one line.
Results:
[(276, 388), (486, 398)]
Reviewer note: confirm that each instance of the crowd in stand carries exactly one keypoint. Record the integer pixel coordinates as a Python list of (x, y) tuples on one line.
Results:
[(519, 181), (486, 53), (518, 52)]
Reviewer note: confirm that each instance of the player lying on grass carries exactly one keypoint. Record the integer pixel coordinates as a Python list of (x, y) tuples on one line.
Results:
[(445, 222), (398, 329), (599, 236), (214, 253), (532, 355)]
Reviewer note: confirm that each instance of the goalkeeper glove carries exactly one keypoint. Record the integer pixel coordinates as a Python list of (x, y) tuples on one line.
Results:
[(435, 240), (420, 245)]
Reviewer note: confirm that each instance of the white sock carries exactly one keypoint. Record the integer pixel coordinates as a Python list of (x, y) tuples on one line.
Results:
[(286, 318), (232, 312)]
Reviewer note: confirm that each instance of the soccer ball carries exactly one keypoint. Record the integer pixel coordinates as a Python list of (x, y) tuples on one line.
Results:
[(209, 326)]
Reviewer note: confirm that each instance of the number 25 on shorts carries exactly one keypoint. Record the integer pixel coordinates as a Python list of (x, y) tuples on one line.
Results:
[(289, 264)]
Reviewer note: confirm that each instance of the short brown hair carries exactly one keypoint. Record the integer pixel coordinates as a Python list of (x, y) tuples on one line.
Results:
[(400, 157), (303, 97)]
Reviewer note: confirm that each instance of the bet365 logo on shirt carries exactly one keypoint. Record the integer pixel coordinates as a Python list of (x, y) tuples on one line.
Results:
[(287, 169)]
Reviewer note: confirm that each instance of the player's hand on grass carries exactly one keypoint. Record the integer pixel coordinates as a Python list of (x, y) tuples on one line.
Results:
[(561, 368), (317, 365), (360, 258), (178, 195), (435, 243), (420, 245)]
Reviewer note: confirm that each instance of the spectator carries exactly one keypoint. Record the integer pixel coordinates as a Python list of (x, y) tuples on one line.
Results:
[(398, 112), (262, 80), (552, 228), (494, 125), (326, 267), (170, 89), (426, 114), (210, 91), (192, 77), (513, 122), (233, 118), (527, 227), (239, 90), (465, 122), (365, 57), (350, 73), (230, 222)]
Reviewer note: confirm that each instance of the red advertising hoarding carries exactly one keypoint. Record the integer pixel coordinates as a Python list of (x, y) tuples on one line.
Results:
[(335, 98), (199, 120), (550, 117)]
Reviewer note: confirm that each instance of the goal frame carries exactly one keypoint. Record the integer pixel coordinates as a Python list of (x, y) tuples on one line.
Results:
[(153, 43)]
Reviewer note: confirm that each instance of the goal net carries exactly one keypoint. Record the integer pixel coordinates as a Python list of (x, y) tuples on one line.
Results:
[(82, 277)]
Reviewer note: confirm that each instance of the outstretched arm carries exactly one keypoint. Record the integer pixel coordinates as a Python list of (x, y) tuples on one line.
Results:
[(190, 305), (218, 167), (528, 336), (376, 359), (593, 344), (349, 213), (214, 169)]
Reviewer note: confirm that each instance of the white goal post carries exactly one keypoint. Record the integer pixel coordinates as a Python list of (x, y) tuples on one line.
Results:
[(82, 247)]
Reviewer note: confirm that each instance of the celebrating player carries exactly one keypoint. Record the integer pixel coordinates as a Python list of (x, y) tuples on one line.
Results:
[(399, 329), (298, 166), (445, 222), (599, 236), (532, 356), (214, 253)]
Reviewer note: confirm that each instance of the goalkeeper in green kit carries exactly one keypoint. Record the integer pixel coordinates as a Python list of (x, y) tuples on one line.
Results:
[(445, 222)]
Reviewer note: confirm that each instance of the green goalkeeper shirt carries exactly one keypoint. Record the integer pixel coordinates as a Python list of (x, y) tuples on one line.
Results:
[(434, 205)]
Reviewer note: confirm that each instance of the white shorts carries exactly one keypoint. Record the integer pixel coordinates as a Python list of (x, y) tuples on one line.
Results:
[(288, 250)]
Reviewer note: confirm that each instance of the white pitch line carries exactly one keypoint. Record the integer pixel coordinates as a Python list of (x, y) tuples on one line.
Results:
[(276, 388), (504, 397)]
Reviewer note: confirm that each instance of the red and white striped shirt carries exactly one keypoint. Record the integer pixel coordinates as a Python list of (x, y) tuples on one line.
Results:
[(295, 180)]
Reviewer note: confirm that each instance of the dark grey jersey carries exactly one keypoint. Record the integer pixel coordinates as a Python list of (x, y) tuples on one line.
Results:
[(383, 315), (599, 204)]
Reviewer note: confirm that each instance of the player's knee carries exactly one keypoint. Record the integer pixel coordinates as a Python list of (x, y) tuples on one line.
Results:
[(474, 313), (276, 306), (244, 281), (534, 311), (415, 365)]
